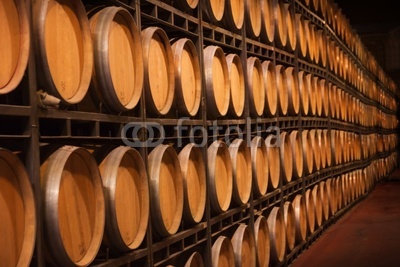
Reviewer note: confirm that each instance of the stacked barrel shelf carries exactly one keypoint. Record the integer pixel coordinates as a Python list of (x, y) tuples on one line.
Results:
[(184, 132)]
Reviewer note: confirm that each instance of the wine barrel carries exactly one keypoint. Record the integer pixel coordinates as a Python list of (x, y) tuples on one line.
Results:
[(253, 17), (195, 260), (300, 214), (221, 177), (73, 206), (194, 183), (216, 81), (326, 212), (117, 76), (256, 86), (308, 153), (241, 171), (293, 91), (234, 14), (267, 20), (290, 224), (286, 154), (166, 190), (304, 93), (312, 93), (214, 10), (277, 234), (14, 43), (187, 76), (297, 152), (263, 243), (281, 36), (237, 85), (222, 253), (159, 71), (63, 26), (273, 155), (320, 41), (260, 167), (331, 195), (244, 246), (310, 206), (271, 91), (302, 35), (326, 136), (318, 96), (18, 219), (187, 4), (291, 27), (126, 193), (322, 147), (316, 195), (332, 100), (283, 91), (339, 193), (316, 149), (309, 36), (323, 86)]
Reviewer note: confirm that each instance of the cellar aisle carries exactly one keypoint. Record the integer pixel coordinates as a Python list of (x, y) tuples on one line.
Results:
[(368, 235)]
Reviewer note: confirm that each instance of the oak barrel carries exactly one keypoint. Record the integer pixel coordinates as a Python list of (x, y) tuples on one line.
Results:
[(300, 214), (237, 85), (188, 4), (62, 25), (308, 153), (310, 206), (263, 243), (14, 43), (273, 155), (195, 260), (291, 27), (18, 216), (268, 19), (293, 91), (159, 70), (221, 177), (126, 193), (166, 190), (271, 90), (316, 195), (256, 87), (73, 206), (260, 166), (234, 14), (286, 156), (282, 87), (194, 183), (312, 93), (277, 234), (118, 63), (253, 17), (304, 93), (326, 212), (281, 36), (290, 224), (297, 152), (244, 246), (214, 10), (216, 79), (187, 76), (222, 253)]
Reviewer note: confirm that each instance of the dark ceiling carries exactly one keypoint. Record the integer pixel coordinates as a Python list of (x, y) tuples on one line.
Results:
[(371, 16)]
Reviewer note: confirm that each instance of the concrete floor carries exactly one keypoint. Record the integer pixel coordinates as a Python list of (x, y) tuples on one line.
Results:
[(367, 236)]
